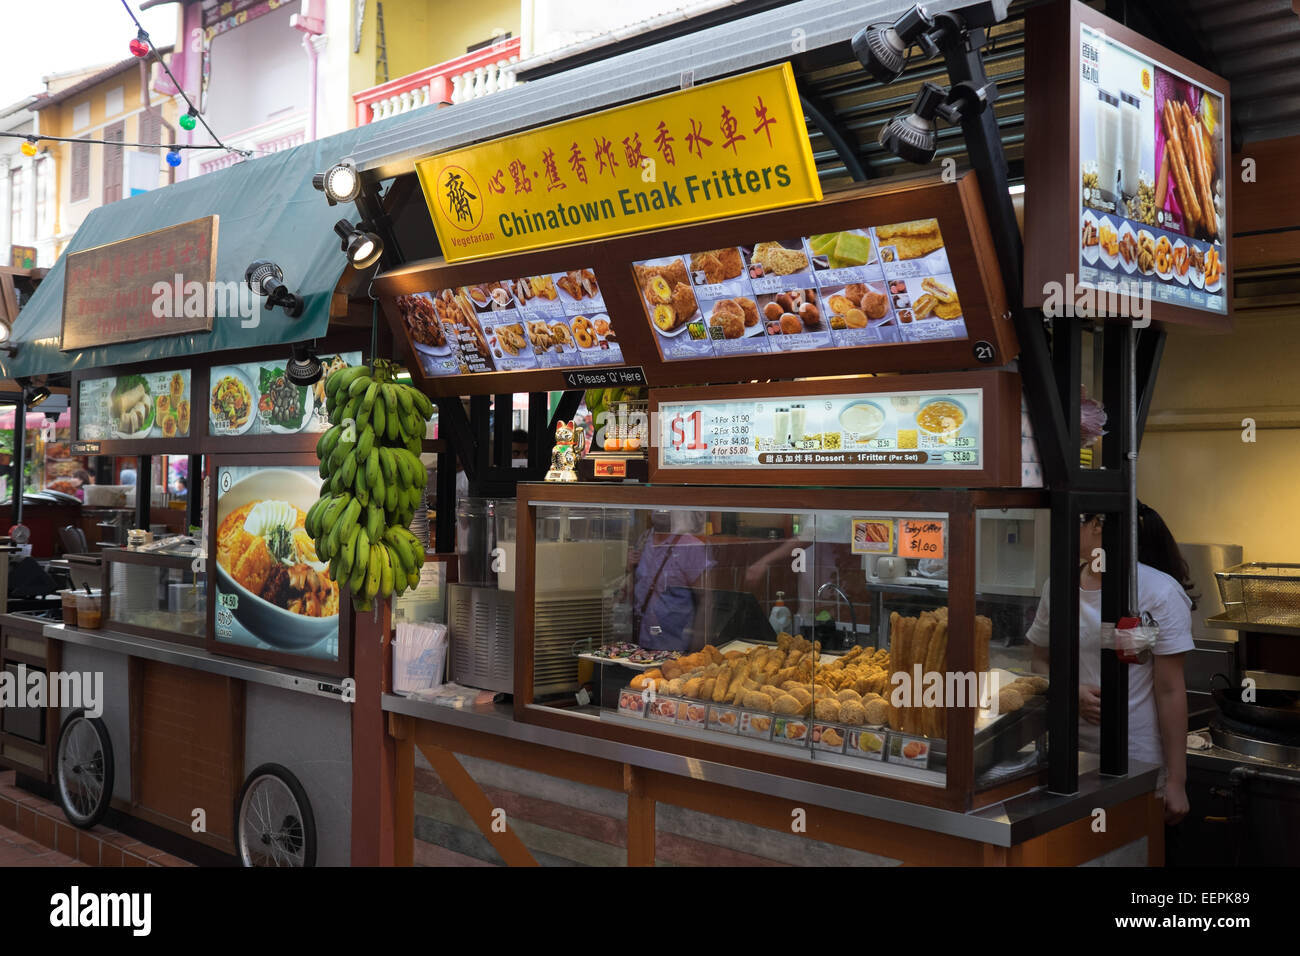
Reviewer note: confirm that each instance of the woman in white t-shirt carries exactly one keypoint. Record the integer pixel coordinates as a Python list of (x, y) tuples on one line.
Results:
[(1157, 720)]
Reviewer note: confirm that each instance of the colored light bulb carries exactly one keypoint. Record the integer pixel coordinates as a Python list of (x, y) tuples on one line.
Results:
[(139, 48), (28, 148), (188, 121), (173, 158)]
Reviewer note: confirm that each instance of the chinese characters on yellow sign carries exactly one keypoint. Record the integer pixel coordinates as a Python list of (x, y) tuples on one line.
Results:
[(735, 146)]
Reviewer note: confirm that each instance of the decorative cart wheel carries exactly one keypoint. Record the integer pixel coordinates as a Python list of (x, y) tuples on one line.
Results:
[(84, 769), (274, 825)]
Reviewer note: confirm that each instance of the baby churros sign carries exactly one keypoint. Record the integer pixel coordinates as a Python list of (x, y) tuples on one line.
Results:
[(723, 149)]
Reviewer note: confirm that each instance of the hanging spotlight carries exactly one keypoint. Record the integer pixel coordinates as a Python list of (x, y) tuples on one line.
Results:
[(265, 278), (28, 146), (173, 158), (339, 183), (190, 119), (912, 136), (33, 397), (363, 248), (140, 45), (882, 49), (5, 332), (304, 366)]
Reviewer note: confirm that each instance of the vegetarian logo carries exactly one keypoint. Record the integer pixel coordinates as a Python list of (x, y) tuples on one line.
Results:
[(460, 198)]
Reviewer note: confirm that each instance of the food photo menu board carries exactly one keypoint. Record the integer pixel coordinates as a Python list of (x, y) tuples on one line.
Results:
[(257, 398), (135, 406), (880, 430), (1152, 161), (856, 287), (551, 321)]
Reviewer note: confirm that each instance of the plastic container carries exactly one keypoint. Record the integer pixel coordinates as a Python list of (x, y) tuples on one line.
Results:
[(90, 610), (69, 597)]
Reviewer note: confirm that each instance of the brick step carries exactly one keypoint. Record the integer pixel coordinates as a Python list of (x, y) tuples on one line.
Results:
[(36, 819)]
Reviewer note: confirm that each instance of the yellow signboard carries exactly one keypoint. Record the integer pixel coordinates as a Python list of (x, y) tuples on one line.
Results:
[(735, 146)]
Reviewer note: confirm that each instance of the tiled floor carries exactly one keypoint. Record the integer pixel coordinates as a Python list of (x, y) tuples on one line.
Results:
[(34, 826)]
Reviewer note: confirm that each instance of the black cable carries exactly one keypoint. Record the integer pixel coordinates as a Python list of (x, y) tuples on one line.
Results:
[(34, 138), (142, 34)]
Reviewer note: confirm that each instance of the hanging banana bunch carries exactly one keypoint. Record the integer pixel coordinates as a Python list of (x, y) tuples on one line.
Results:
[(372, 482)]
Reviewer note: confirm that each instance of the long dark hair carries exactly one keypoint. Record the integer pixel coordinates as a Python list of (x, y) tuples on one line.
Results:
[(1157, 548)]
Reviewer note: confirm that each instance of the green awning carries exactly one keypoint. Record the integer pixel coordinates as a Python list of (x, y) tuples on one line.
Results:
[(268, 210)]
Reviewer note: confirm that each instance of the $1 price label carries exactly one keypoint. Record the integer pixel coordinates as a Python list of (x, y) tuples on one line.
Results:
[(921, 538), (710, 434)]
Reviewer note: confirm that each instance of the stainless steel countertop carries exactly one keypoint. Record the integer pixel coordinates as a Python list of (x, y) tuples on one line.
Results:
[(1004, 824), (197, 659)]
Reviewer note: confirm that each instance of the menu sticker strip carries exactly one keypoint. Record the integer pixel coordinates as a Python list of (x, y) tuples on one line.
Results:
[(883, 430)]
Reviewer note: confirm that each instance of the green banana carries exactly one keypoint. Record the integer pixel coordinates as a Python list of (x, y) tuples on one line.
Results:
[(379, 417), (385, 573), (422, 401), (360, 561), (344, 377), (403, 395), (325, 444), (373, 575), (375, 520), (360, 385), (349, 410), (362, 490), (389, 391), (386, 463), (413, 579), (365, 442), (393, 428), (399, 579), (399, 549), (371, 392), (349, 468), (332, 513), (347, 554), (349, 519)]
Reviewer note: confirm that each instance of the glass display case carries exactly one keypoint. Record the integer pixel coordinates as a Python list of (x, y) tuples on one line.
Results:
[(156, 592), (848, 636)]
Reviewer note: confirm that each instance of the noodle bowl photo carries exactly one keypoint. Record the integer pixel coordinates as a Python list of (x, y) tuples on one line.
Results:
[(266, 559)]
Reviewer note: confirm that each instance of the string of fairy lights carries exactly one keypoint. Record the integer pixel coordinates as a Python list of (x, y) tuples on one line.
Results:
[(142, 47)]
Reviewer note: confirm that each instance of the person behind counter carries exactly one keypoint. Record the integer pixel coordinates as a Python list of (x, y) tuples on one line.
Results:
[(668, 562), (1157, 721)]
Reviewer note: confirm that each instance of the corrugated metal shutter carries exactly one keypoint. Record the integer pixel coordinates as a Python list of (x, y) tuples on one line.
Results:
[(113, 162), (79, 181), (862, 107)]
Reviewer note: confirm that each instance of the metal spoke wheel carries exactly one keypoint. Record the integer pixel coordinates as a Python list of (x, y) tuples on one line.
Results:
[(273, 820), (84, 769)]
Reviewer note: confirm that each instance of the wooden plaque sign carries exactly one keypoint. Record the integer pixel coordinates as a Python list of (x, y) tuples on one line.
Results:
[(139, 288)]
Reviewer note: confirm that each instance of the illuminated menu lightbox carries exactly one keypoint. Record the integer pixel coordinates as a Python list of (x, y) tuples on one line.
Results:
[(552, 321), (871, 286)]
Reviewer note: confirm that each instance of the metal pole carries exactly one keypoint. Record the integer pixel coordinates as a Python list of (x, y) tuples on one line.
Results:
[(20, 449), (1130, 455)]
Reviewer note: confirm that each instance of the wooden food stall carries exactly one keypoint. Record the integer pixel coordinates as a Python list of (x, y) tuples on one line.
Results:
[(222, 669), (832, 410)]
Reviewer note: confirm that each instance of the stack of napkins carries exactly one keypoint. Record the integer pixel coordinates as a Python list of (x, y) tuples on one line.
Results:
[(419, 656)]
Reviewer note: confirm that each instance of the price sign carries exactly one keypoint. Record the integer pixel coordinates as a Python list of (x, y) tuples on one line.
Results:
[(921, 538), (880, 430)]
